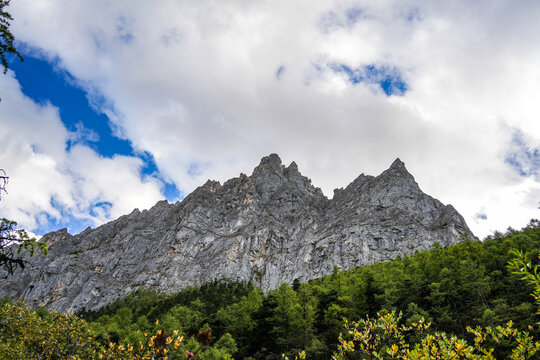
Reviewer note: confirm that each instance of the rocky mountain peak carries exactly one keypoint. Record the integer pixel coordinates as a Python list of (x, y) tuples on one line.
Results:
[(292, 170), (53, 237), (397, 164), (398, 181), (212, 185), (271, 227), (396, 177), (398, 171), (269, 164), (272, 176)]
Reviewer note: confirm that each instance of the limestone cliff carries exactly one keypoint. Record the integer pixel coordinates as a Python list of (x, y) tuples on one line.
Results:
[(267, 228)]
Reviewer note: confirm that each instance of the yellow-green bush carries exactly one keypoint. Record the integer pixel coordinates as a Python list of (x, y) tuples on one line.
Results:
[(26, 335), (46, 335)]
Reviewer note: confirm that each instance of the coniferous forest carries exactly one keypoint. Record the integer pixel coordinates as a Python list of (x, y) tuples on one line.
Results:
[(120, 104), (438, 299)]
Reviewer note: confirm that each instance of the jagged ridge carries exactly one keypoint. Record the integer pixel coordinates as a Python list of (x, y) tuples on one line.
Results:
[(270, 227)]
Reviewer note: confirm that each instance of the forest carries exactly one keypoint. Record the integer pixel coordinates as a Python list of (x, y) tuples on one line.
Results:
[(466, 298)]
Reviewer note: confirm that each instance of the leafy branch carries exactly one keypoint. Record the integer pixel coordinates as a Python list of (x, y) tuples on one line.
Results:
[(12, 242), (6, 37), (529, 273)]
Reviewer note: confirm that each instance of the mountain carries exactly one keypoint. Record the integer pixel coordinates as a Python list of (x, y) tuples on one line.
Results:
[(267, 228)]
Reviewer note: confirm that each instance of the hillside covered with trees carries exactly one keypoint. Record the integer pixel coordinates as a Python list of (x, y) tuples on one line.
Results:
[(451, 289)]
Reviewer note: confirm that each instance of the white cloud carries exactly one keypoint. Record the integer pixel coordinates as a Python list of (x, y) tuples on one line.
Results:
[(47, 181), (82, 134), (194, 84)]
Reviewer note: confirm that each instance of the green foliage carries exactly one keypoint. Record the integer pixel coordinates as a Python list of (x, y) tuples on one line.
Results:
[(47, 335), (6, 37), (188, 312), (28, 334), (385, 338), (468, 284), (464, 287), (13, 242), (523, 267)]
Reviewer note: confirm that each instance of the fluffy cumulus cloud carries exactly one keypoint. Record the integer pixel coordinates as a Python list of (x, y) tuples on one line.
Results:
[(341, 87), (48, 182)]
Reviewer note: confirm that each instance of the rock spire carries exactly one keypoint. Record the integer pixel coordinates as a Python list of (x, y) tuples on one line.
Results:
[(267, 228)]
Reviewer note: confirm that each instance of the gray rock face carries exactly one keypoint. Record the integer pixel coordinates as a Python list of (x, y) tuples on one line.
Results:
[(267, 228)]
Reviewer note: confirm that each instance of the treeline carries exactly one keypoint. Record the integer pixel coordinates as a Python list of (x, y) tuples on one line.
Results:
[(467, 284)]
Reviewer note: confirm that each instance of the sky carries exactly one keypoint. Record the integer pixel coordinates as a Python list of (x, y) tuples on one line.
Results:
[(120, 104)]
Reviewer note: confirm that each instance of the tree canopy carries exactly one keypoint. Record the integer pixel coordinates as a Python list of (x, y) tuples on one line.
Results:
[(6, 37), (457, 302), (456, 289), (14, 240)]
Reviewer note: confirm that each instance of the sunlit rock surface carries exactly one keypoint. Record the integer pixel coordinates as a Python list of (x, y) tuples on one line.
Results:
[(267, 228)]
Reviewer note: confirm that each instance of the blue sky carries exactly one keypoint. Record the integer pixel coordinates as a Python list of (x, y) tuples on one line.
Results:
[(118, 107), (389, 80), (45, 82)]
